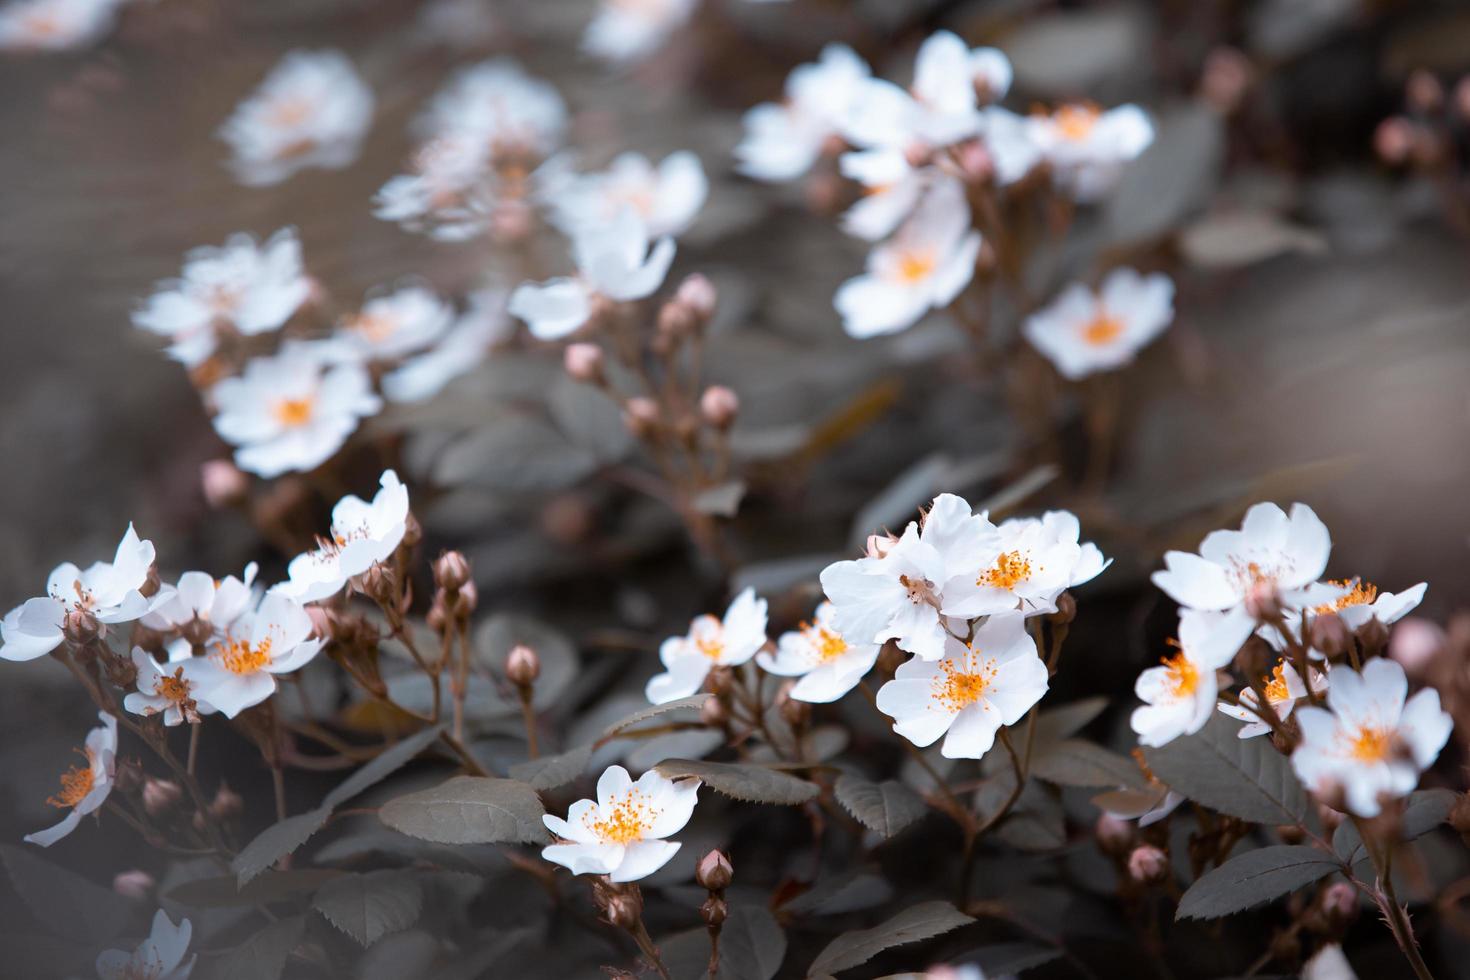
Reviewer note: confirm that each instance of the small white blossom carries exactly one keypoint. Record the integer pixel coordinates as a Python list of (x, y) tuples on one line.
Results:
[(828, 665), (451, 193), (623, 31), (201, 597), (173, 690), (924, 266), (621, 833), (892, 188), (1272, 555), (462, 348), (783, 140), (667, 197), (291, 411), (393, 325), (239, 669), (1371, 743), (1026, 564), (897, 597), (495, 105), (363, 534), (938, 110), (1082, 331), (1179, 695), (1328, 963), (108, 591), (614, 262), (1363, 602), (84, 788), (1007, 140), (710, 643), (54, 25), (969, 694), (159, 957), (312, 110), (1087, 146), (991, 73), (1284, 687), (242, 287)]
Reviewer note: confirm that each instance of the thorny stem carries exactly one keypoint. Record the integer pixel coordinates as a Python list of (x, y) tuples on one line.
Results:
[(1394, 914), (650, 951), (953, 807), (1019, 770)]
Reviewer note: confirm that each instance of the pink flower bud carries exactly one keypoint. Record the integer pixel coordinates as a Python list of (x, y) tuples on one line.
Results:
[(879, 545), (583, 362), (522, 666), (1226, 76), (1263, 601), (452, 571), (698, 294), (133, 884), (719, 406), (1423, 92), (1416, 643), (1148, 865), (227, 803), (160, 796), (223, 483), (714, 871), (1114, 834), (1393, 140), (81, 627), (641, 416)]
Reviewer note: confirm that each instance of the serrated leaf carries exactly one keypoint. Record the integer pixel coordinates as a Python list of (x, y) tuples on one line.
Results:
[(384, 765), (693, 704), (261, 957), (275, 842), (224, 891), (752, 946), (470, 810), (1058, 723), (62, 899), (369, 906), (1423, 811), (1130, 803), (923, 921), (753, 784), (551, 771), (887, 807), (848, 892), (589, 419), (1244, 777), (1252, 878), (1075, 762)]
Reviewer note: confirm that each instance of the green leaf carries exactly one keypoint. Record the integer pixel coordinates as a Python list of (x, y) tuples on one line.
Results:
[(1252, 878), (752, 947), (1058, 723), (224, 891), (1075, 762), (1244, 777), (369, 906), (469, 810), (276, 841), (1423, 811), (384, 765), (923, 921), (753, 784), (63, 900), (551, 771), (261, 957), (692, 704), (887, 807), (835, 894)]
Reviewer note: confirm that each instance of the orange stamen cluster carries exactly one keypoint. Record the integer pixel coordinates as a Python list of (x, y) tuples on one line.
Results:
[(1076, 121), (293, 412), (826, 644), (376, 328), (1371, 744), (1103, 329), (956, 688), (1183, 674), (1275, 684), (1010, 569), (76, 783), (625, 820), (1360, 593), (240, 657), (916, 266), (174, 688), (710, 640)]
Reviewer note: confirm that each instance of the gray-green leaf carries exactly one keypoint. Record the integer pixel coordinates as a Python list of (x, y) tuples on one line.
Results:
[(469, 810), (386, 764), (1424, 810), (276, 841), (691, 704), (261, 957), (923, 921), (551, 771), (1252, 878), (887, 807), (1244, 777), (1076, 762), (63, 900), (753, 784), (369, 906)]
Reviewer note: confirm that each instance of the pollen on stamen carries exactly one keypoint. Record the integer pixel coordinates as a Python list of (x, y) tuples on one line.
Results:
[(1102, 329), (1183, 674), (293, 412), (1359, 593), (241, 657), (955, 688), (76, 783), (827, 645), (174, 688), (1010, 569), (626, 820), (1370, 744)]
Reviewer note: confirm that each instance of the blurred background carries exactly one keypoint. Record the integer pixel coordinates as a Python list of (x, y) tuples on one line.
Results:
[(1321, 350)]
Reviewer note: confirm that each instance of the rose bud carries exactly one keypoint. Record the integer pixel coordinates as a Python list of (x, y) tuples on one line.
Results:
[(451, 571), (719, 406), (583, 362), (1148, 865), (160, 795), (133, 884), (714, 872), (223, 484), (522, 666)]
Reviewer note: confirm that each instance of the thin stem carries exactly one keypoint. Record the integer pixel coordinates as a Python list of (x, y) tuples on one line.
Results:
[(650, 951), (194, 730), (1388, 903), (528, 715)]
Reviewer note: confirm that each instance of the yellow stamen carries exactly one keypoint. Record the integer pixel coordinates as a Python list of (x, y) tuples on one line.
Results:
[(625, 821), (174, 688), (914, 267), (375, 327), (1103, 329), (1009, 570), (289, 112), (1371, 745), (1076, 121), (1360, 594), (293, 412), (956, 689), (1275, 685), (1183, 675), (240, 657), (76, 783), (709, 638), (827, 644)]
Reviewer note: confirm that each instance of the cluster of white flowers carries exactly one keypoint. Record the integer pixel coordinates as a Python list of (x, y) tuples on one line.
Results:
[(224, 641), (912, 151), (1369, 743), (55, 25)]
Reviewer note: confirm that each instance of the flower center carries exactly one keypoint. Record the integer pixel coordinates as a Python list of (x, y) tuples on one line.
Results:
[(1183, 674), (1275, 686), (625, 821), (1371, 744), (1076, 122), (240, 657), (1010, 569), (294, 412), (375, 327), (1360, 593), (957, 688), (827, 645), (1250, 574), (915, 266), (42, 24), (174, 688), (1104, 329), (76, 783), (289, 112), (709, 637)]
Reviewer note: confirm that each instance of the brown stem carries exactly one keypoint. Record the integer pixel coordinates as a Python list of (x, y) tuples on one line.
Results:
[(1388, 904)]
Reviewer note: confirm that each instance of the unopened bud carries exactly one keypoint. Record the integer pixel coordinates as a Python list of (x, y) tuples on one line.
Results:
[(714, 714), (1114, 834), (1148, 865), (133, 884), (1263, 602), (714, 872), (377, 583), (413, 531), (522, 666), (675, 320), (583, 362), (227, 803), (1340, 903), (81, 627), (1290, 833), (718, 681), (714, 911), (465, 600), (918, 154), (719, 406), (160, 796), (451, 571), (1416, 643), (200, 631), (1423, 92), (151, 583), (699, 295), (223, 484), (641, 416), (1066, 609), (1329, 635), (1373, 636), (624, 910), (1394, 140), (1226, 76), (976, 162)]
